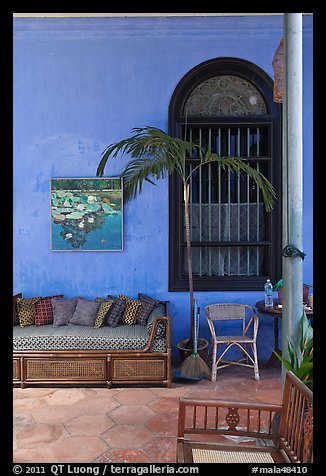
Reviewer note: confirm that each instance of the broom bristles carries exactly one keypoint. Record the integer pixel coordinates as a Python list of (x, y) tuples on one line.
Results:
[(193, 367)]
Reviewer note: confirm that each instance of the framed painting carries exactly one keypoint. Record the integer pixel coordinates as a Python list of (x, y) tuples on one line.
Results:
[(86, 214)]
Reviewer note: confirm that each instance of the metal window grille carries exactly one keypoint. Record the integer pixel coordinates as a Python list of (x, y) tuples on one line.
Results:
[(227, 219)]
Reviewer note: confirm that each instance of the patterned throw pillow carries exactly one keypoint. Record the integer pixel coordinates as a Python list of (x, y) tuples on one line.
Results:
[(15, 317), (103, 309), (114, 314), (161, 325), (26, 310), (160, 329), (147, 306), (43, 311), (131, 310)]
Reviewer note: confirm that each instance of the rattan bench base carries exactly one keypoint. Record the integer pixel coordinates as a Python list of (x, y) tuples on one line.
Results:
[(90, 368)]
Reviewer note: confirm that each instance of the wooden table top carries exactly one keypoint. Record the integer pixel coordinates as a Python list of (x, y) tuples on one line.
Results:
[(260, 305)]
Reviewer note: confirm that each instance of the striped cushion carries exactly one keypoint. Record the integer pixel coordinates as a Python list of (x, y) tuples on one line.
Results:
[(103, 309), (131, 310)]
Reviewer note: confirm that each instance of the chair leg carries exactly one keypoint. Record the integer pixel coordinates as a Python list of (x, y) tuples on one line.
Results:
[(246, 355), (214, 364), (256, 369), (209, 357)]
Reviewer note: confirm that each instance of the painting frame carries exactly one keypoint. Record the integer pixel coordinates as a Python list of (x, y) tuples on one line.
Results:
[(86, 214)]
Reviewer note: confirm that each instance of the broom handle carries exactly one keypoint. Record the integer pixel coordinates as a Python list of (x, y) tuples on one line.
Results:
[(196, 325)]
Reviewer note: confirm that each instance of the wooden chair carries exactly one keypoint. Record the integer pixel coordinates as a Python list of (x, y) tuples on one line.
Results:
[(205, 428), (248, 337)]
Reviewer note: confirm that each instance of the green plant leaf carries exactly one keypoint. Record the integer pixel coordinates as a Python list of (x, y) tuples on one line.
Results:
[(286, 363), (306, 337), (304, 370), (156, 154), (293, 356), (301, 364)]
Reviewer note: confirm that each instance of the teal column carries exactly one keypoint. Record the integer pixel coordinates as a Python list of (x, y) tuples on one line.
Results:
[(292, 180)]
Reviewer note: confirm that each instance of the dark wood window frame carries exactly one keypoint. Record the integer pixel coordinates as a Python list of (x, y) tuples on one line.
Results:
[(178, 281)]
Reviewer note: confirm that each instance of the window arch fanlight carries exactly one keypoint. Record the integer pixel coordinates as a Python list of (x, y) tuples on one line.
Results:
[(226, 104), (224, 95)]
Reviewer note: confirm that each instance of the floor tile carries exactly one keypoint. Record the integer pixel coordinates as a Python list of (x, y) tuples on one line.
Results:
[(39, 435), (89, 424), (131, 414), (163, 424), (162, 449), (124, 456), (65, 396), (165, 405), (81, 449), (52, 414), (127, 436), (134, 396), (35, 455)]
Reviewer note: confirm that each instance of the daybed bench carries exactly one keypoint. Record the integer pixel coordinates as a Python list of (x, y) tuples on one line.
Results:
[(78, 355)]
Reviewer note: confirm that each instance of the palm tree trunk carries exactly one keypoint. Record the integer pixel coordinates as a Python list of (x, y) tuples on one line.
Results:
[(189, 260)]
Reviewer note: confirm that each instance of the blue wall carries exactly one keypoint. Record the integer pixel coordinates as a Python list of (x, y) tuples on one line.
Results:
[(81, 84)]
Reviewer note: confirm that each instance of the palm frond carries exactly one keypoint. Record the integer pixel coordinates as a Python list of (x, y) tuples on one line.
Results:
[(139, 170), (237, 164), (154, 153), (147, 142)]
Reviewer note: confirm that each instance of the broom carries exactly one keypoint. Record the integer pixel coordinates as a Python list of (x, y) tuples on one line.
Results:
[(193, 367)]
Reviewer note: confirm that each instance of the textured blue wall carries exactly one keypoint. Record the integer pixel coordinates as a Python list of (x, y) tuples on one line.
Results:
[(80, 84)]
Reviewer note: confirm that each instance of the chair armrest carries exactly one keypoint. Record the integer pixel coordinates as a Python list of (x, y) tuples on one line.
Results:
[(231, 403), (221, 417)]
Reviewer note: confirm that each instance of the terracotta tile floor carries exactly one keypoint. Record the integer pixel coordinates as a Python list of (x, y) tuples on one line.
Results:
[(120, 425)]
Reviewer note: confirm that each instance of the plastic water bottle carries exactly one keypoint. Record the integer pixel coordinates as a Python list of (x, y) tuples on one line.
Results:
[(268, 293)]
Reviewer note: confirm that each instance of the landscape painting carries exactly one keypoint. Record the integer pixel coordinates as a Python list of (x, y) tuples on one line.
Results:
[(86, 214)]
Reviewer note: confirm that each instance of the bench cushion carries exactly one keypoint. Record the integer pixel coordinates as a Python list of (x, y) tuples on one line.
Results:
[(75, 337)]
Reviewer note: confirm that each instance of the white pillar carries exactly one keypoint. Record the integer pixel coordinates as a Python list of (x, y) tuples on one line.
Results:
[(292, 179)]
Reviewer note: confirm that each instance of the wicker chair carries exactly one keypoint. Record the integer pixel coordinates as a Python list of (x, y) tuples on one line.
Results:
[(206, 429), (248, 337)]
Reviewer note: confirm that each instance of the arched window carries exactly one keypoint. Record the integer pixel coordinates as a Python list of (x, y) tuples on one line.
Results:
[(226, 105)]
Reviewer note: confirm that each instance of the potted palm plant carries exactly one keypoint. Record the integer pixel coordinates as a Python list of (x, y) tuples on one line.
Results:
[(155, 155), (300, 361)]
